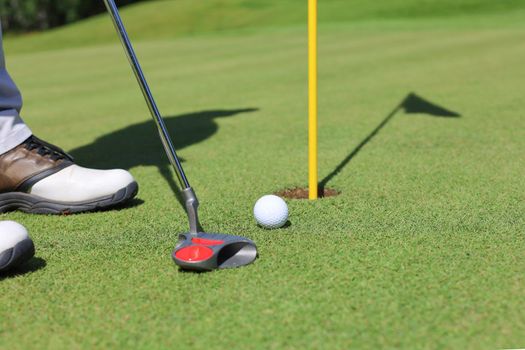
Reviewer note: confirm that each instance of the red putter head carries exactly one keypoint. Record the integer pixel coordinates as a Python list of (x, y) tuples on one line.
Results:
[(206, 252)]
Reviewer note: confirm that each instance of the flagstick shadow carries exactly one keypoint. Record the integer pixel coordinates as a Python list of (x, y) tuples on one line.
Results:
[(356, 150), (412, 103)]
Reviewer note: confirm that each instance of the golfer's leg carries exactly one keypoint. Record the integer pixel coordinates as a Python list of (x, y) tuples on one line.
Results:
[(13, 131)]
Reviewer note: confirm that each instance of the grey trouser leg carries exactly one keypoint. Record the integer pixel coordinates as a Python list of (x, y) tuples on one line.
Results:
[(13, 131)]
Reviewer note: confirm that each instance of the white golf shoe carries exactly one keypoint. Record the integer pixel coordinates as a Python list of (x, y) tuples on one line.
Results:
[(16, 247), (37, 177)]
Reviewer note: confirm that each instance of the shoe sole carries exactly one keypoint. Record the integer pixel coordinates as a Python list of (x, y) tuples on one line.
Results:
[(16, 256), (37, 205)]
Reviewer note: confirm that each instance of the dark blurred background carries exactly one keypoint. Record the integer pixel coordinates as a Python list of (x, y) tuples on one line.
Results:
[(28, 15)]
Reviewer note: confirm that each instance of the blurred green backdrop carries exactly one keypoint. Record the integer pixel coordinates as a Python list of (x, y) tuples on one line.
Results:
[(23, 15)]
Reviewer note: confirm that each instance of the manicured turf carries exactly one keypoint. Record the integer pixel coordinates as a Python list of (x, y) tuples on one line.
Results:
[(422, 249)]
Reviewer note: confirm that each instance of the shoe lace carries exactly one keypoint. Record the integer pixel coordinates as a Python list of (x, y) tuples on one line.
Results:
[(46, 149)]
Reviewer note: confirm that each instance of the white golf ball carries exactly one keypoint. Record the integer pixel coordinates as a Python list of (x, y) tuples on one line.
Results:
[(271, 211), (11, 233)]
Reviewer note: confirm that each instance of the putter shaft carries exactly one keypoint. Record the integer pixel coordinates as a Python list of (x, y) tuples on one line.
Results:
[(190, 199), (148, 96)]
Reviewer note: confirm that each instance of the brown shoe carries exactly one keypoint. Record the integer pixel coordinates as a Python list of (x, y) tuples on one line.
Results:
[(38, 177)]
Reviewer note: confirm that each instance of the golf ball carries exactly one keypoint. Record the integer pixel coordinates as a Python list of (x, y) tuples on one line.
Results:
[(271, 211)]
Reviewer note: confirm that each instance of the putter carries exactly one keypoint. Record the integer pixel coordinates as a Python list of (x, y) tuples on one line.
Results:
[(195, 250)]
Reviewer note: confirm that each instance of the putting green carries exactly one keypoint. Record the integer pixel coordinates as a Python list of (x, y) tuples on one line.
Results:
[(423, 248)]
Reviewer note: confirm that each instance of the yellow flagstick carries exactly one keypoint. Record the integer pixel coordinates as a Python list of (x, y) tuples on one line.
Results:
[(312, 99)]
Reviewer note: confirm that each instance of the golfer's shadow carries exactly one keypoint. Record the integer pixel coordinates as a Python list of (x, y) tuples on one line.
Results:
[(139, 144)]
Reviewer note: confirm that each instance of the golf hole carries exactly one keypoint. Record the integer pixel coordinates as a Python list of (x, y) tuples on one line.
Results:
[(302, 193)]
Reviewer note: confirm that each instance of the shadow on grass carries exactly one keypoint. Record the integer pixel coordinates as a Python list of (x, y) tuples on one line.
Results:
[(411, 104), (32, 265), (133, 203), (139, 144)]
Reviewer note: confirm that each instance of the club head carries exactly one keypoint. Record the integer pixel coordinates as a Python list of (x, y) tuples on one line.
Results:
[(210, 251)]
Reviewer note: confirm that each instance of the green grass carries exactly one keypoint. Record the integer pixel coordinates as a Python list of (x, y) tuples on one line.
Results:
[(422, 249)]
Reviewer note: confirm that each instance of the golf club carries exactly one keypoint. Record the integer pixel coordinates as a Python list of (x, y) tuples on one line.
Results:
[(195, 250)]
